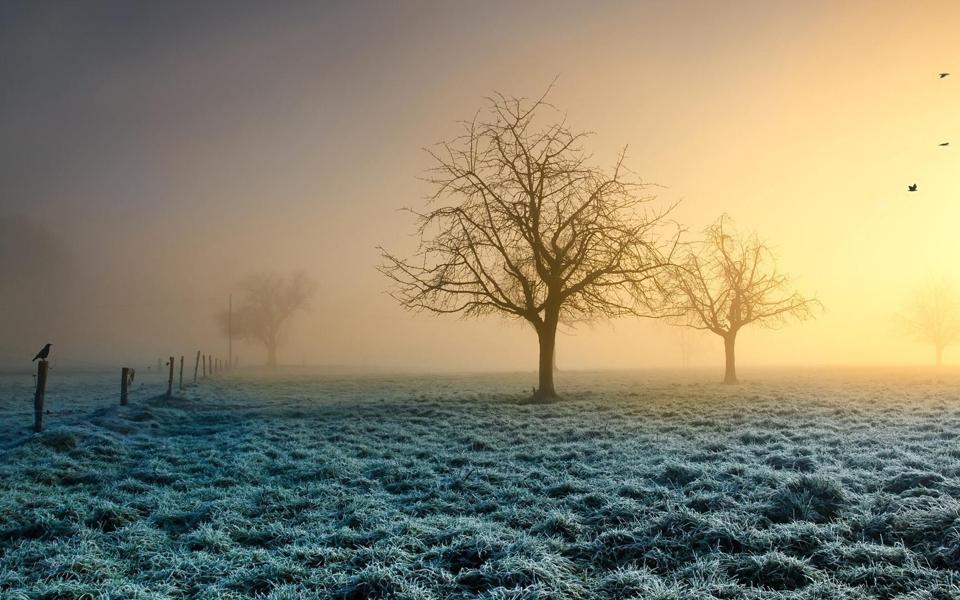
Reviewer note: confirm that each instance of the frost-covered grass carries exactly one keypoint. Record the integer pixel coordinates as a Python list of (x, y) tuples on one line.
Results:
[(816, 485)]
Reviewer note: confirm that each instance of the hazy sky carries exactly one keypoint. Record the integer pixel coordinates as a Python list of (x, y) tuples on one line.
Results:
[(173, 147)]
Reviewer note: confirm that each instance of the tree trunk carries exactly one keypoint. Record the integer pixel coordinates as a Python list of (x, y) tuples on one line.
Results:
[(272, 355), (729, 348), (547, 335), (939, 356)]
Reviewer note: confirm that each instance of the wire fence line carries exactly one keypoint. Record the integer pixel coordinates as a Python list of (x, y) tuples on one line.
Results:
[(135, 383)]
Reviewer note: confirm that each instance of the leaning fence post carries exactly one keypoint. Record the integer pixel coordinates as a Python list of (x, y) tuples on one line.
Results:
[(181, 371), (170, 379), (124, 382), (196, 366), (38, 396)]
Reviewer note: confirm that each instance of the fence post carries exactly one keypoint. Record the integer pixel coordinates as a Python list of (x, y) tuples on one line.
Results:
[(181, 371), (196, 366), (124, 382), (204, 365), (170, 379), (38, 396)]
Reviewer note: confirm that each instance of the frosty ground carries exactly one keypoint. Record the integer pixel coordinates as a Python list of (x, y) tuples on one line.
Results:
[(637, 485)]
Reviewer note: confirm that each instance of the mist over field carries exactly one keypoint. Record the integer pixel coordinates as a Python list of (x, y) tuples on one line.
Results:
[(154, 156), (433, 300)]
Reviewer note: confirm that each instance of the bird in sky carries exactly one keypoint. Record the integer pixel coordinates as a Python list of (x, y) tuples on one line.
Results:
[(942, 75), (43, 354), (912, 187), (945, 144)]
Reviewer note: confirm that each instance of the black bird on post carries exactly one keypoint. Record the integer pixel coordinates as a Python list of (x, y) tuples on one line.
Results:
[(912, 187), (43, 354)]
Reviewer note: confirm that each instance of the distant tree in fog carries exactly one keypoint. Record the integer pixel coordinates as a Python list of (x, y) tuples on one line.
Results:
[(690, 345), (267, 303), (521, 224), (39, 283), (730, 280), (932, 316)]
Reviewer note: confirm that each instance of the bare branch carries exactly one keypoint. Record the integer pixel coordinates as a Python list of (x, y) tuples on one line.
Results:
[(519, 223), (730, 280)]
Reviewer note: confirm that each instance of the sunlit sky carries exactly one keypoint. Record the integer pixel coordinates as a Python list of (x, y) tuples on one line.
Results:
[(174, 148)]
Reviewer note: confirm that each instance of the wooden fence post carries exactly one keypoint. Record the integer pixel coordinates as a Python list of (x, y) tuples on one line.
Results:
[(204, 365), (181, 371), (124, 382), (170, 379), (196, 366), (38, 396)]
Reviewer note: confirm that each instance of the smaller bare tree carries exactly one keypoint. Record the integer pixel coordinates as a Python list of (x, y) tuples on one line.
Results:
[(728, 281), (269, 300), (932, 316)]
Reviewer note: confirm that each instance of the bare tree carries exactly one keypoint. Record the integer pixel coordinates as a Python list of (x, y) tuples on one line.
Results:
[(728, 281), (932, 316), (521, 224), (268, 302)]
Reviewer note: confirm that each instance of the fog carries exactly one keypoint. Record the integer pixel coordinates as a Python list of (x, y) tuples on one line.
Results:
[(152, 156)]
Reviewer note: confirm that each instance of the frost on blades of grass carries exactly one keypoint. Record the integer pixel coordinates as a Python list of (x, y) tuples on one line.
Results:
[(632, 487)]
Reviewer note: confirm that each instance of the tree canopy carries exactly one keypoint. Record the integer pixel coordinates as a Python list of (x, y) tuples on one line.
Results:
[(522, 223)]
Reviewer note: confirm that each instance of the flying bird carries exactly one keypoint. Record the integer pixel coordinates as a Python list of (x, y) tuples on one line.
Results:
[(912, 187), (945, 144), (43, 354), (942, 75)]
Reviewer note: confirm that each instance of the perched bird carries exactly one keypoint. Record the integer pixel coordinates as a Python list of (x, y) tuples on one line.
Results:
[(945, 144), (942, 75), (912, 187), (43, 354)]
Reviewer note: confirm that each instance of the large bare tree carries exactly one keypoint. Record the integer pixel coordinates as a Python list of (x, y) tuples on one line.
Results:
[(932, 316), (730, 280), (520, 223), (268, 301)]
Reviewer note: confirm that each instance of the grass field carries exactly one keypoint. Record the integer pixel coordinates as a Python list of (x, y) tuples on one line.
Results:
[(800, 485)]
